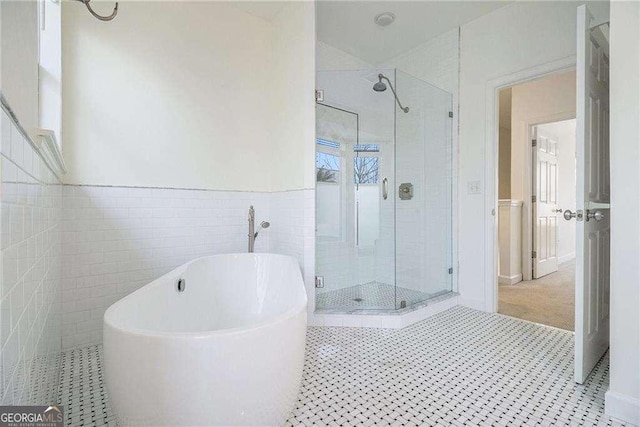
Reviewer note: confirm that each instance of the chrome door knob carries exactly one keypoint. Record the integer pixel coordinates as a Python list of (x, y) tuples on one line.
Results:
[(597, 215), (568, 215)]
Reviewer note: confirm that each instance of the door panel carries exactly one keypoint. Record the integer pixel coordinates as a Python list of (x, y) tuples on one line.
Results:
[(545, 241), (592, 198)]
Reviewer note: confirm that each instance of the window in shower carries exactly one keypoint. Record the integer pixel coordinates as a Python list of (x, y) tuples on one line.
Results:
[(329, 192), (366, 164), (366, 171), (327, 161)]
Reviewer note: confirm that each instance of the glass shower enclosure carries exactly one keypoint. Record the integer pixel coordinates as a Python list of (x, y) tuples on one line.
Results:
[(383, 191)]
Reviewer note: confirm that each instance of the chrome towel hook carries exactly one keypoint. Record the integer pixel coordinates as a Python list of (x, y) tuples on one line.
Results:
[(100, 17)]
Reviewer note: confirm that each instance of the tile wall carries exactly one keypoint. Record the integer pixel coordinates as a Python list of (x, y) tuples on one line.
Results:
[(117, 239), (293, 225), (30, 213)]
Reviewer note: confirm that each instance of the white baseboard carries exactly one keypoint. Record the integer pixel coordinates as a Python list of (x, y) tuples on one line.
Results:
[(622, 407), (476, 304), (389, 320), (567, 257), (510, 280), (428, 311)]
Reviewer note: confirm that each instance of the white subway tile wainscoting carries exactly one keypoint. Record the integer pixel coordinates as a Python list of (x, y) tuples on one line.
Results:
[(118, 239), (31, 203), (450, 369)]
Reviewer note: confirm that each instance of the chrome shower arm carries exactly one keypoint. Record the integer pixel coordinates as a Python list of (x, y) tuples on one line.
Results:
[(95, 14), (395, 95)]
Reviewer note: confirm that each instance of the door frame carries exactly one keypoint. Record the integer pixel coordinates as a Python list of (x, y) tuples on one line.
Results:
[(492, 90)]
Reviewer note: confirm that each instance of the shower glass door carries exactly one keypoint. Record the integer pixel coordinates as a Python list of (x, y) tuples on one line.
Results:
[(355, 233), (424, 160), (383, 191)]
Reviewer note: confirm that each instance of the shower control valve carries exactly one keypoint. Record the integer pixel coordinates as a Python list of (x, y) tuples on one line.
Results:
[(406, 191)]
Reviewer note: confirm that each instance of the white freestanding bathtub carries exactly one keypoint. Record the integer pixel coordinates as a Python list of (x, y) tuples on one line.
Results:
[(227, 350)]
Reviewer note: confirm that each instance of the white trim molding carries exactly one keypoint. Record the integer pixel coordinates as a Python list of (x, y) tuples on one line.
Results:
[(393, 320), (566, 258), (622, 407), (474, 303), (510, 238), (49, 149), (510, 280)]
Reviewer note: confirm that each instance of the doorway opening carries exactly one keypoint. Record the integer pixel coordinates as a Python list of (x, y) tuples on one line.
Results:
[(536, 184)]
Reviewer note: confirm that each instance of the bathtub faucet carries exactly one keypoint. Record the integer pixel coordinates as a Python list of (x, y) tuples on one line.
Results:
[(252, 225)]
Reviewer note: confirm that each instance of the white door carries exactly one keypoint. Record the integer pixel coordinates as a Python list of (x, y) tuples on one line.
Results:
[(592, 197), (545, 204)]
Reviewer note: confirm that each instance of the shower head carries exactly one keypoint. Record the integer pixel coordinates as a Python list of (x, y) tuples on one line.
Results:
[(263, 224), (379, 86)]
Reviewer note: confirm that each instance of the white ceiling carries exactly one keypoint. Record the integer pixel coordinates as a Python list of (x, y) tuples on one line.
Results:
[(349, 26), (267, 10)]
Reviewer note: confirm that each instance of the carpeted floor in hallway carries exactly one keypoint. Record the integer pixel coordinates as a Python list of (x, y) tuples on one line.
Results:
[(548, 300)]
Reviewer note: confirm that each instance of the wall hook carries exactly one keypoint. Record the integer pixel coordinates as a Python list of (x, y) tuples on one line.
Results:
[(100, 17)]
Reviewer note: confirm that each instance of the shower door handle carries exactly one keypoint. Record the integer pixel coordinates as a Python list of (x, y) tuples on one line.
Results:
[(385, 188)]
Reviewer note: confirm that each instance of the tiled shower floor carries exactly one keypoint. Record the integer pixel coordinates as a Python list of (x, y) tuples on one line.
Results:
[(459, 367), (370, 296)]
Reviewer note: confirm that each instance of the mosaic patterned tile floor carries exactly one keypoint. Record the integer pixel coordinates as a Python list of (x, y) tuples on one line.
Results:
[(82, 391), (368, 296), (460, 367)]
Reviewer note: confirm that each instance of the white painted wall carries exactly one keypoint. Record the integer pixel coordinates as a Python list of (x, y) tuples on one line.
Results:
[(329, 58), (197, 95), (19, 52), (435, 62), (517, 37), (565, 133), (292, 148), (623, 398)]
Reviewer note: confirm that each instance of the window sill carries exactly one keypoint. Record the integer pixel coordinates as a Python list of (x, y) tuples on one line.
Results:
[(49, 150)]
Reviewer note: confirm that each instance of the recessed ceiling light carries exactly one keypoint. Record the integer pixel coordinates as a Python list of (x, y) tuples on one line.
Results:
[(384, 19)]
